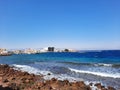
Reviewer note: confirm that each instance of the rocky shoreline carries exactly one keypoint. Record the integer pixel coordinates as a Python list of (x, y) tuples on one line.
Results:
[(11, 79)]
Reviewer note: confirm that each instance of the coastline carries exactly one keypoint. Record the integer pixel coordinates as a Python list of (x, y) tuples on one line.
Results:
[(11, 79)]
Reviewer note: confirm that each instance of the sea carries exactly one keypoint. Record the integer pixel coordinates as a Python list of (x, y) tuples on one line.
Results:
[(89, 66)]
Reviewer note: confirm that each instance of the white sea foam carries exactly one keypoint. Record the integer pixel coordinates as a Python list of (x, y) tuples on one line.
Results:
[(30, 69), (62, 77), (97, 73), (36, 71), (103, 64), (107, 65)]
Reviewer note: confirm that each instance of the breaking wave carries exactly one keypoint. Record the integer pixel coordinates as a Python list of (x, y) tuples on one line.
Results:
[(30, 69), (96, 73), (93, 64), (36, 71)]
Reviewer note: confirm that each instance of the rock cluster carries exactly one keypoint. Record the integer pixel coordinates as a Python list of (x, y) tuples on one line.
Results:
[(11, 79)]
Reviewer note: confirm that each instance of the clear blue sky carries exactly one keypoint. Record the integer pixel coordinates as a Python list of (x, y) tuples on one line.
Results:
[(80, 24)]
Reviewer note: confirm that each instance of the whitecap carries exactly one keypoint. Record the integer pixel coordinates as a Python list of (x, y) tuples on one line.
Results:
[(103, 64), (97, 73), (36, 71), (30, 69)]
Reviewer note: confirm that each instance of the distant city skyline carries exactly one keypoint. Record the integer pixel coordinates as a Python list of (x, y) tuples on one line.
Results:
[(76, 24)]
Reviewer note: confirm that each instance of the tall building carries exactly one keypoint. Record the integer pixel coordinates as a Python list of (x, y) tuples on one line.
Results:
[(51, 49)]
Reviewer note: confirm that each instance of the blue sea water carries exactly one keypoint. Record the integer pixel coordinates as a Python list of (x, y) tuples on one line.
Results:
[(90, 66)]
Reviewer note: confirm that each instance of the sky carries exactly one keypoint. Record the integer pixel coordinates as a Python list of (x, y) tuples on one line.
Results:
[(77, 24)]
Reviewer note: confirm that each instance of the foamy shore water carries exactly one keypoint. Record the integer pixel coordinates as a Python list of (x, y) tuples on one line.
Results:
[(49, 75)]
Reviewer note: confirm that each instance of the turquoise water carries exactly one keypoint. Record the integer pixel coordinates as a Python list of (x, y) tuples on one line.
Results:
[(91, 66)]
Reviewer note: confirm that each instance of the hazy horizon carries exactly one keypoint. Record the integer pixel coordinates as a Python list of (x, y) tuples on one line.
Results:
[(79, 49), (79, 24)]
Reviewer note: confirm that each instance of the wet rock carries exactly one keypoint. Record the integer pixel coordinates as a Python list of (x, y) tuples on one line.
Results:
[(49, 74), (88, 87), (66, 82), (91, 84), (98, 85), (53, 79), (4, 66), (32, 75), (111, 88), (80, 84), (25, 73)]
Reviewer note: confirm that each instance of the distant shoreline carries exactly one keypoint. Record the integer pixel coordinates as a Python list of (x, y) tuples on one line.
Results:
[(6, 54)]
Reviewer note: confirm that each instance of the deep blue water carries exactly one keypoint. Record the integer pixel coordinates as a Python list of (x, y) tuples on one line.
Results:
[(108, 57), (98, 66)]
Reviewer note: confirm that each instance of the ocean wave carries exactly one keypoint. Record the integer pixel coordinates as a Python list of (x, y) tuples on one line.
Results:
[(36, 71), (96, 73), (76, 63), (103, 64), (30, 69), (108, 65), (116, 65), (93, 64)]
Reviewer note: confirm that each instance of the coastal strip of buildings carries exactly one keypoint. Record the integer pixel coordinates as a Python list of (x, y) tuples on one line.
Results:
[(33, 51)]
